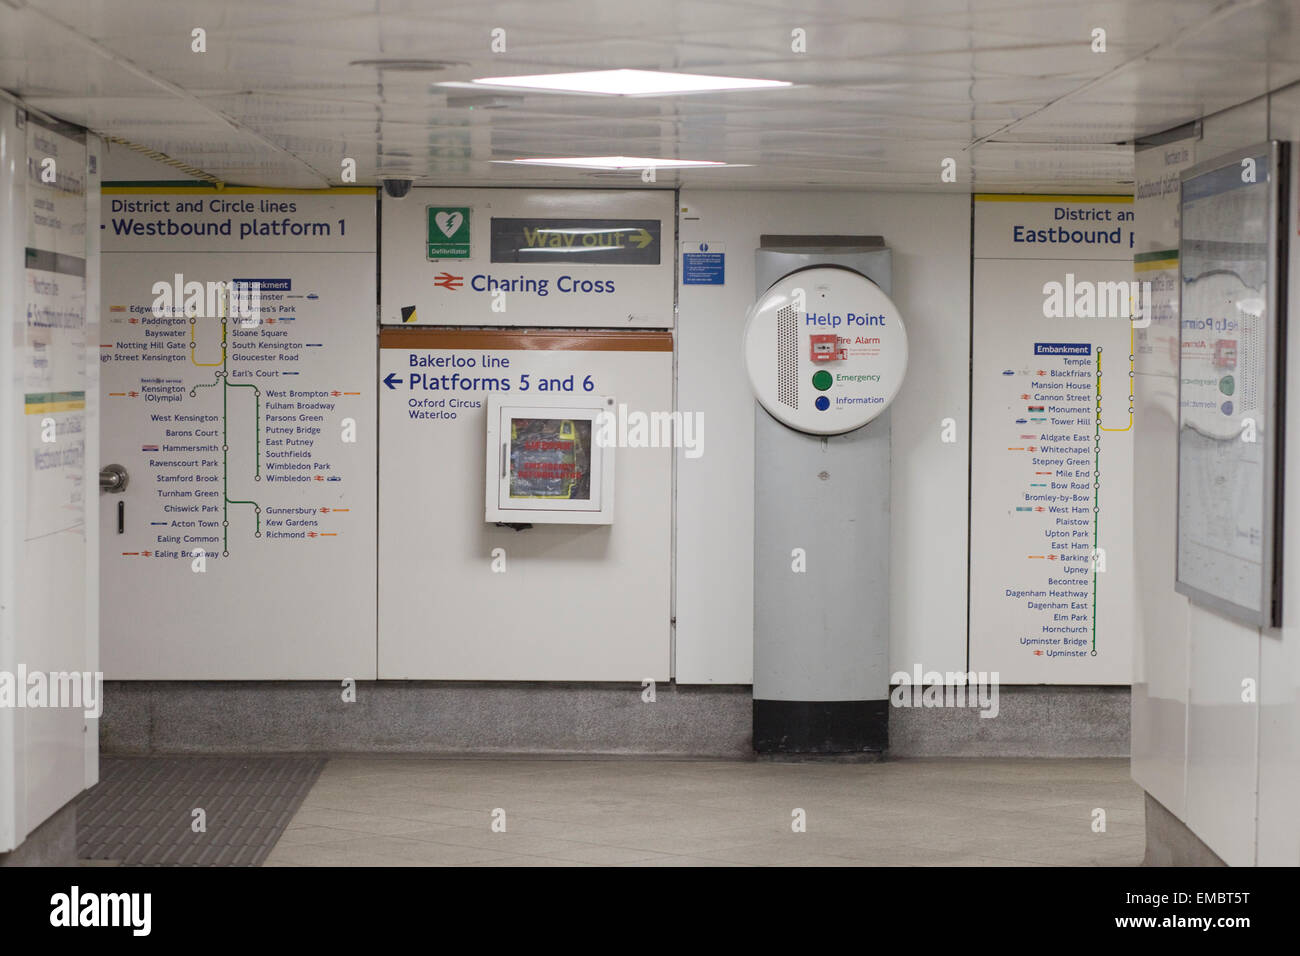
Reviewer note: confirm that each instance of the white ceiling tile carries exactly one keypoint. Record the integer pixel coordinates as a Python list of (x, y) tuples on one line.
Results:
[(885, 90)]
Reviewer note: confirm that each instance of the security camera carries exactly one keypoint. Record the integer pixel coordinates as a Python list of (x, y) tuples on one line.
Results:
[(397, 186)]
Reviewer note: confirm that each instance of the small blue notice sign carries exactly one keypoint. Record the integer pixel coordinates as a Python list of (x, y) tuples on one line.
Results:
[(704, 263)]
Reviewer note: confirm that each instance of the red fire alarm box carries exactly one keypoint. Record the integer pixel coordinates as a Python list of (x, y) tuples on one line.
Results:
[(824, 348), (1225, 353)]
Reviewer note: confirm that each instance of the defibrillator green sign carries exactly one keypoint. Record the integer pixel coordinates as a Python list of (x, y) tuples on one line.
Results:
[(448, 232)]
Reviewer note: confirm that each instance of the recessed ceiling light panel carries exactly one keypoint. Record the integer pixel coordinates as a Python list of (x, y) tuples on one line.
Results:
[(614, 162), (409, 65), (628, 83)]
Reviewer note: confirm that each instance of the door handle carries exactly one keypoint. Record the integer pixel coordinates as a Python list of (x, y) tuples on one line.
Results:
[(113, 479)]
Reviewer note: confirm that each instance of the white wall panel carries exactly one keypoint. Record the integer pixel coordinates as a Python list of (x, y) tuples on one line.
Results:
[(1279, 657), (559, 602), (1222, 727), (930, 239), (1221, 735), (1161, 643), (13, 226), (286, 589), (94, 262), (1238, 748), (46, 477)]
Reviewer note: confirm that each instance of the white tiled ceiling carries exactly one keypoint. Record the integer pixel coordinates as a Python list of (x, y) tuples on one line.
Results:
[(885, 92)]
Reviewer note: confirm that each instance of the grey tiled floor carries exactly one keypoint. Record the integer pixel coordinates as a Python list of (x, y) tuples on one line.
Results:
[(142, 810), (376, 811)]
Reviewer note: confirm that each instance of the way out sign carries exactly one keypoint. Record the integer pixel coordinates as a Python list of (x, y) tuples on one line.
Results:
[(448, 232), (586, 241)]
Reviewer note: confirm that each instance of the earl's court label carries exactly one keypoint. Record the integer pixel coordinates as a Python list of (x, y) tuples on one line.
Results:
[(448, 233)]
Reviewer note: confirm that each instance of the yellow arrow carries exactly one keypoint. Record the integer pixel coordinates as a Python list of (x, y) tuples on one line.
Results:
[(643, 239)]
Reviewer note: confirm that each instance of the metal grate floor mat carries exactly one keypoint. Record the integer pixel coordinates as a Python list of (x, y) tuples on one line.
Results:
[(143, 810)]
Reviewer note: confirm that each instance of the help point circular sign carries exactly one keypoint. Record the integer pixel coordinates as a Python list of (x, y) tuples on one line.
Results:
[(826, 350)]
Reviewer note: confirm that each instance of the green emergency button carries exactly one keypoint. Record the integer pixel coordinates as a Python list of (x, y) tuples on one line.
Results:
[(822, 380)]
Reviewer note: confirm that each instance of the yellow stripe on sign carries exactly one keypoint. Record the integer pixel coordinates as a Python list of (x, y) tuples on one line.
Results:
[(196, 191), (1044, 197), (44, 408), (1152, 265)]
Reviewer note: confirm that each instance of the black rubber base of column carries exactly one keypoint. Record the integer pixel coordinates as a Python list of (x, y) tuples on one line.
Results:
[(821, 726)]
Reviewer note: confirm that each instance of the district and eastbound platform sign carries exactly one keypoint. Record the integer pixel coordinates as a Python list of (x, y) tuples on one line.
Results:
[(1051, 589)]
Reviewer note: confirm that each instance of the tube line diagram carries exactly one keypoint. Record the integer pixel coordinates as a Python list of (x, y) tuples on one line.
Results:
[(281, 439)]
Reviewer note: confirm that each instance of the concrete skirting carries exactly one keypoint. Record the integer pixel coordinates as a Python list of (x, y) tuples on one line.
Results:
[(53, 843), (1032, 721), (1171, 843), (448, 717), (423, 717)]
